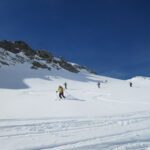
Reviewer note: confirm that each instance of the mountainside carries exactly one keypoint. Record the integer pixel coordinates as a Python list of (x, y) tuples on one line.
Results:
[(18, 52), (112, 117)]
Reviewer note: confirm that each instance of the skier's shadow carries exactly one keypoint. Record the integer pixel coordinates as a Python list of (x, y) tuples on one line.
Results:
[(74, 99)]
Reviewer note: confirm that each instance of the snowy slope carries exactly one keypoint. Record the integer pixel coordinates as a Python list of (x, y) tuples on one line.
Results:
[(31, 93), (113, 117), (32, 117)]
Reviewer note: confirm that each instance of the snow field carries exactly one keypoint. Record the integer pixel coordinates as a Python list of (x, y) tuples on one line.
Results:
[(114, 117)]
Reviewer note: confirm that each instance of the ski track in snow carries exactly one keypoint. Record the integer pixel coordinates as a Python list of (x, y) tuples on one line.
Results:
[(120, 132)]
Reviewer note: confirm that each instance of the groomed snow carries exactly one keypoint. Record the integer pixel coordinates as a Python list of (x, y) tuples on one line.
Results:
[(115, 116)]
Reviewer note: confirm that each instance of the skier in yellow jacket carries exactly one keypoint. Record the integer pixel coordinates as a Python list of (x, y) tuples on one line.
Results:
[(61, 92)]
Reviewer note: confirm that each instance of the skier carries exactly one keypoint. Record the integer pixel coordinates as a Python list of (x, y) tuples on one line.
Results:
[(98, 84), (65, 84), (61, 92), (130, 83)]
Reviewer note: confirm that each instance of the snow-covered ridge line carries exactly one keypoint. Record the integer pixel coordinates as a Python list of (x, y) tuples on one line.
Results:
[(15, 52)]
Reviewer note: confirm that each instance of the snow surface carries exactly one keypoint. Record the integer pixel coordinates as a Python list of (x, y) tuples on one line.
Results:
[(113, 117)]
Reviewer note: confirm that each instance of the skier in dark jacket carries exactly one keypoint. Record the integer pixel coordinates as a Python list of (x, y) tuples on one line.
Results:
[(98, 84), (130, 83), (65, 84)]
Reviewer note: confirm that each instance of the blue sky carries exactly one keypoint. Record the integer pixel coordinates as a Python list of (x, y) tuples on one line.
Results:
[(110, 36)]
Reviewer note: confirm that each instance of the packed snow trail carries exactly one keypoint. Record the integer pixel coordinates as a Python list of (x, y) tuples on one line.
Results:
[(121, 132)]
